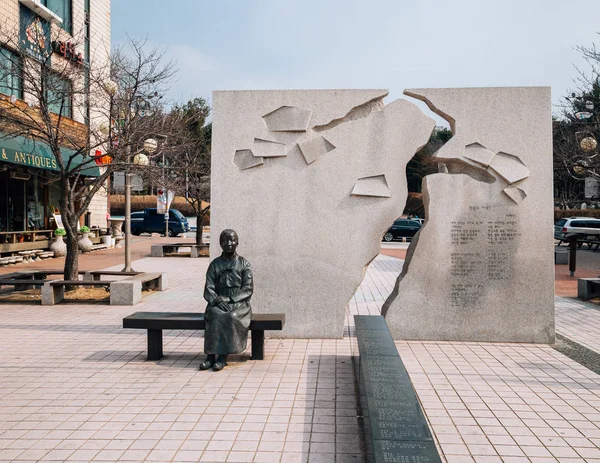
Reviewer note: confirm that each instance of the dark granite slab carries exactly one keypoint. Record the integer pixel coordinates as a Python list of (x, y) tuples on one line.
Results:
[(370, 322), (405, 452), (395, 426)]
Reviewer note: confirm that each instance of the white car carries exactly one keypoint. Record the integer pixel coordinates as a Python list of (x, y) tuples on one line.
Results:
[(579, 225)]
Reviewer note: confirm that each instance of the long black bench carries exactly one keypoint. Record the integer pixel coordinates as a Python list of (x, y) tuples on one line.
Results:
[(395, 427), (156, 322)]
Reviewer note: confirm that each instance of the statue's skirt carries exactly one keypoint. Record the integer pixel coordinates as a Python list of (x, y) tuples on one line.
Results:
[(227, 332)]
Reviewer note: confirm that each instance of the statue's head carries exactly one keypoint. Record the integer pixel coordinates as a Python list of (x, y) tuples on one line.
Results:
[(228, 241)]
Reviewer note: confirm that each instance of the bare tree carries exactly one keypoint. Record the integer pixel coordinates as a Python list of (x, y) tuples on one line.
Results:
[(576, 130), (186, 168), (111, 94)]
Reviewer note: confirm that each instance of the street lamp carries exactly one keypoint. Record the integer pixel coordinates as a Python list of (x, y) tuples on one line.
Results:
[(140, 159)]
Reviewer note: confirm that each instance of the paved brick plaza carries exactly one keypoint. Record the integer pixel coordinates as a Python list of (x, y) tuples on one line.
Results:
[(75, 387)]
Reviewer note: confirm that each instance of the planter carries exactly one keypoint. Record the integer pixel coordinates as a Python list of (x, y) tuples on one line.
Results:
[(106, 240), (116, 225), (85, 245), (59, 247)]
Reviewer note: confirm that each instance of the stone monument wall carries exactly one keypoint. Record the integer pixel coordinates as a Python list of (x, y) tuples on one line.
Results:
[(481, 268), (312, 179)]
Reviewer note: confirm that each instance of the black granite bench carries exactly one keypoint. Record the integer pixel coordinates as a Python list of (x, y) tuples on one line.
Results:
[(155, 322), (395, 428)]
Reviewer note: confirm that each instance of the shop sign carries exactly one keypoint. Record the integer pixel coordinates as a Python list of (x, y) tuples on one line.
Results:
[(27, 159), (101, 159), (67, 51), (34, 35), (36, 154)]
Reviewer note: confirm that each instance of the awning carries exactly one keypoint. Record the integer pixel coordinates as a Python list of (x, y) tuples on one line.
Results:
[(27, 152)]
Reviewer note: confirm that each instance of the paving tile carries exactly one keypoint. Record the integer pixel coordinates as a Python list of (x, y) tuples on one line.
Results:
[(75, 385)]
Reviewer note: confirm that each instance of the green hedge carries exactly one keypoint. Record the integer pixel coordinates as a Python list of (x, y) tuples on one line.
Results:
[(562, 213)]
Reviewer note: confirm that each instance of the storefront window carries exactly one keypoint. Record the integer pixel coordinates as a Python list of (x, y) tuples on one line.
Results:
[(62, 8), (11, 75), (16, 204), (35, 204), (59, 94), (3, 200), (24, 202)]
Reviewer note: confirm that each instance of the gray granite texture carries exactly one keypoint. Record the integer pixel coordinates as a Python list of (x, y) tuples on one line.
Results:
[(307, 237), (481, 268)]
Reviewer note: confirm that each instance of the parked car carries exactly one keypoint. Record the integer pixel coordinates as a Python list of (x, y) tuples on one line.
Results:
[(402, 228), (150, 221), (582, 225)]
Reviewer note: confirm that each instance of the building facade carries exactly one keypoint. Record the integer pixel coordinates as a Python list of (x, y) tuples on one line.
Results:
[(79, 31)]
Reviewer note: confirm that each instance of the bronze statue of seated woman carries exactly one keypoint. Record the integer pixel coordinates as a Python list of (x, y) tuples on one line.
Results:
[(228, 291)]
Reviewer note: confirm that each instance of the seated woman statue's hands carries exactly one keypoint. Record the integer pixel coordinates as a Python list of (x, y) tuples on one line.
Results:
[(223, 303)]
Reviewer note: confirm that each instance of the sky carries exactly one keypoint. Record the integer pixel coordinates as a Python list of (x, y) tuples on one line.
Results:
[(379, 44)]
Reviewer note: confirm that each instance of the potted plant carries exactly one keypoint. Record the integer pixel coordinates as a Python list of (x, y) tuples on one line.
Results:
[(58, 246), (85, 244), (105, 237)]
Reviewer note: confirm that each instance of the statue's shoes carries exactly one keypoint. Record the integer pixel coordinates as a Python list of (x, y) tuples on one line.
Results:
[(206, 365), (219, 366)]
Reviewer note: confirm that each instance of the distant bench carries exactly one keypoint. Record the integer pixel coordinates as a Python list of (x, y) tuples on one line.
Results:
[(395, 427), (155, 322), (127, 291), (588, 288), (25, 280), (161, 250)]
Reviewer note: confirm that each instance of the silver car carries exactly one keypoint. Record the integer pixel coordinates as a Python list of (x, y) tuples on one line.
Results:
[(579, 225)]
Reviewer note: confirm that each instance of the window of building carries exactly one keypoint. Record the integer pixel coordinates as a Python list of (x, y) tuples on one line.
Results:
[(62, 8), (11, 73), (59, 94)]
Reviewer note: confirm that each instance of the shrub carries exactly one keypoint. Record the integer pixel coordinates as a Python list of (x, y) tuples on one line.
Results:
[(84, 229), (60, 232), (565, 213)]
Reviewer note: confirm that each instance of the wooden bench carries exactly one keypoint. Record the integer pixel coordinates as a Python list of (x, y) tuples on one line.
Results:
[(21, 285), (161, 250), (25, 280), (155, 322), (394, 423)]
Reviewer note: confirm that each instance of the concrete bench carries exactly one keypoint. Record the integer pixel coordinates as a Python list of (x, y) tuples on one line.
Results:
[(96, 275), (561, 255), (21, 284), (53, 291), (161, 250), (155, 322), (27, 279), (394, 423), (129, 290), (588, 288)]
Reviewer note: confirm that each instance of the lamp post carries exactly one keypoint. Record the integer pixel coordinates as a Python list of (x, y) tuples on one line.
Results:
[(150, 146)]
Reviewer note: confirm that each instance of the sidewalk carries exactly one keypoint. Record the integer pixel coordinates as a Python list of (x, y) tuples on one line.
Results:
[(75, 386), (140, 248)]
